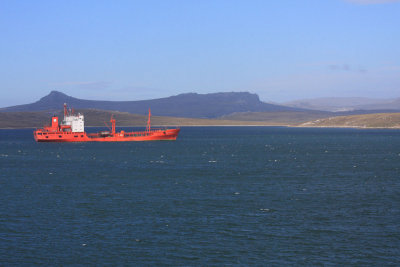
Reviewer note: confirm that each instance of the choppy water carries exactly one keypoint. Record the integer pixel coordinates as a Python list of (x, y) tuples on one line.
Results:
[(216, 196)]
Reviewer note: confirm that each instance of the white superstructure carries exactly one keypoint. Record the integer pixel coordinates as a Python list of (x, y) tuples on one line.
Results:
[(76, 121)]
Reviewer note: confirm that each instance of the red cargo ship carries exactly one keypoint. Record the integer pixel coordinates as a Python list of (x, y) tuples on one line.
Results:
[(72, 129)]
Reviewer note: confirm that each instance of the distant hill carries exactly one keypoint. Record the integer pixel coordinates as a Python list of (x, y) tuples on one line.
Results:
[(343, 104), (379, 120), (393, 104), (201, 109), (191, 105)]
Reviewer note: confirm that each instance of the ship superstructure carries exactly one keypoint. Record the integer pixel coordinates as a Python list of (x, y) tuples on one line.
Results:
[(72, 129), (75, 121)]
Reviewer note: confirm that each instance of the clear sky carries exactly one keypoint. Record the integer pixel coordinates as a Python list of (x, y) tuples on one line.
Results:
[(131, 50)]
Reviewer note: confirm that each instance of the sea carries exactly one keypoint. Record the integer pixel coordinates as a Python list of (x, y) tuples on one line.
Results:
[(236, 196)]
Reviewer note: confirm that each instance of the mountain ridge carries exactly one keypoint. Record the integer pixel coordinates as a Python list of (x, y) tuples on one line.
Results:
[(190, 105)]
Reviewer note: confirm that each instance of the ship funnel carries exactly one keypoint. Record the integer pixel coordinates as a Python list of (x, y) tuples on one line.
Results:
[(54, 122)]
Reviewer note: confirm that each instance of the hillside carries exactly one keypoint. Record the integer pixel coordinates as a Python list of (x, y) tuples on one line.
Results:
[(189, 105), (343, 104), (379, 120), (95, 117), (283, 117), (99, 117)]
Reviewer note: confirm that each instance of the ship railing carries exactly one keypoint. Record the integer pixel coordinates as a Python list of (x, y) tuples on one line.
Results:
[(92, 135), (144, 133), (135, 133), (140, 133), (158, 129)]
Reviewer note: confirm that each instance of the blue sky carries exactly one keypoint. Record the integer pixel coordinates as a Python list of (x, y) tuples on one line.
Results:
[(131, 50)]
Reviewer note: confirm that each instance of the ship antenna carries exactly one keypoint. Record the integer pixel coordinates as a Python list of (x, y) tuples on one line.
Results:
[(65, 109)]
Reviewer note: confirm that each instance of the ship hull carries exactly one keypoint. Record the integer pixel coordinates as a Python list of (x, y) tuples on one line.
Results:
[(72, 130), (152, 135)]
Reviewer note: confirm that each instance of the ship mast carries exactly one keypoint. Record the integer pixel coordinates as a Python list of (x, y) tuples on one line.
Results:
[(112, 120), (149, 122), (65, 110)]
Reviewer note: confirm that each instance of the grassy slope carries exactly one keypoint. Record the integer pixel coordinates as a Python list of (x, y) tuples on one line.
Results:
[(278, 118), (99, 117), (24, 119), (378, 120)]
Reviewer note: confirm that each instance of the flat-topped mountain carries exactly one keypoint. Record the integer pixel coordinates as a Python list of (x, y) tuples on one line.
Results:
[(190, 105)]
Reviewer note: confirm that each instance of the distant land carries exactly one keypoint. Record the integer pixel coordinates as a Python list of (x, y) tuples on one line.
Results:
[(199, 109), (93, 117), (278, 117), (345, 104), (190, 105), (379, 120)]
